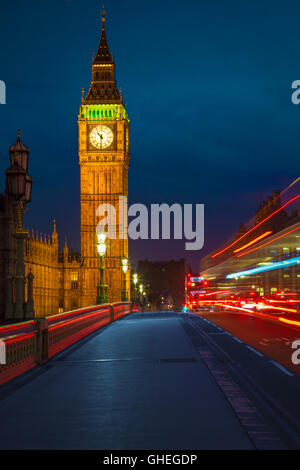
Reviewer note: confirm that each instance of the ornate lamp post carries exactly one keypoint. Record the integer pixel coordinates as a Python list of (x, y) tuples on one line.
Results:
[(135, 280), (18, 189), (141, 289), (101, 290), (124, 264)]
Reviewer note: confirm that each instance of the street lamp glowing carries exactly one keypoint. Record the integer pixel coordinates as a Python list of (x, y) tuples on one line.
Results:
[(101, 245), (141, 288), (101, 248), (101, 237), (135, 280), (125, 265)]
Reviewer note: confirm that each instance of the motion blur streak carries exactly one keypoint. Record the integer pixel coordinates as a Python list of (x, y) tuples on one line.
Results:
[(257, 225), (290, 322), (216, 292), (248, 310), (271, 266), (237, 308), (267, 243), (280, 308), (253, 241)]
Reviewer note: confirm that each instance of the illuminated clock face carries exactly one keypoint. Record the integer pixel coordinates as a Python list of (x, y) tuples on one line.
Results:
[(101, 137)]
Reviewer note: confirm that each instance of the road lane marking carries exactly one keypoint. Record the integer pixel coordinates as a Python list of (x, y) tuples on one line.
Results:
[(283, 369), (255, 351)]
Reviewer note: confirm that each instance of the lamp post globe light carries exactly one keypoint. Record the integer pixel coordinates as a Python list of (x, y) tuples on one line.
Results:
[(16, 181), (28, 189), (135, 280), (124, 265), (141, 290), (101, 248)]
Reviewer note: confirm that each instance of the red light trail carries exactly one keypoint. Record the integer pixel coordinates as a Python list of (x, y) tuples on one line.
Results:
[(257, 225), (279, 308), (290, 322), (253, 241), (267, 243), (248, 310)]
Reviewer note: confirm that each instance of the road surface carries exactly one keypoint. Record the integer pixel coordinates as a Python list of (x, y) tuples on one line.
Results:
[(270, 338), (147, 381)]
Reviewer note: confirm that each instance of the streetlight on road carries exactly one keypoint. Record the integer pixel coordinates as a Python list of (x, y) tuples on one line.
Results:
[(124, 264), (101, 247), (135, 280), (141, 289)]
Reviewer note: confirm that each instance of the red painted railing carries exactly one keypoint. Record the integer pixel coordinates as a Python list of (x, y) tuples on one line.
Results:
[(51, 335), (120, 310), (67, 332)]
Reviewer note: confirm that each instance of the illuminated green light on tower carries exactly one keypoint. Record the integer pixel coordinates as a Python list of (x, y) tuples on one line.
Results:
[(103, 112)]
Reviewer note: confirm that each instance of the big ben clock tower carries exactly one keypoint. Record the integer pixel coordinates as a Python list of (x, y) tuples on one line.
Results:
[(103, 128)]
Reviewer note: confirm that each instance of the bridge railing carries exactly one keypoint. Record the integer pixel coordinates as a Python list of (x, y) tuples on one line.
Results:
[(20, 356), (51, 335)]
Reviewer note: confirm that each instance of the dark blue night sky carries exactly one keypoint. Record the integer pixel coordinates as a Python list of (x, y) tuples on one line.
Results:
[(208, 91)]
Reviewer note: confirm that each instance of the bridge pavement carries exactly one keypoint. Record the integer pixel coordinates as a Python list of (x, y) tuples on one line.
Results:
[(138, 383)]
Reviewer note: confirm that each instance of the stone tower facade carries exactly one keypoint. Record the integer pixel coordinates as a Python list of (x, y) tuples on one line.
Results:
[(103, 127), (68, 280)]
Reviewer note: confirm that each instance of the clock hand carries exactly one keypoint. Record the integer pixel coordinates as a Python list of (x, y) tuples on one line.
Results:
[(101, 138)]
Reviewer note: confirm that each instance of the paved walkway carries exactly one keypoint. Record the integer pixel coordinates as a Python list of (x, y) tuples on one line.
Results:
[(138, 383)]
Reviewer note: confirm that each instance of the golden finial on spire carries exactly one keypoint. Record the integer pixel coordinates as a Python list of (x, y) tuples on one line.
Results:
[(82, 95), (103, 16), (18, 134)]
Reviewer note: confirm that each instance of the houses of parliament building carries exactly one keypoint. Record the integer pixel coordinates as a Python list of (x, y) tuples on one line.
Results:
[(65, 280)]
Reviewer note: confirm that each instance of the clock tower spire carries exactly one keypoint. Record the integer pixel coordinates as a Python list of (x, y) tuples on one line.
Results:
[(103, 127), (103, 85)]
